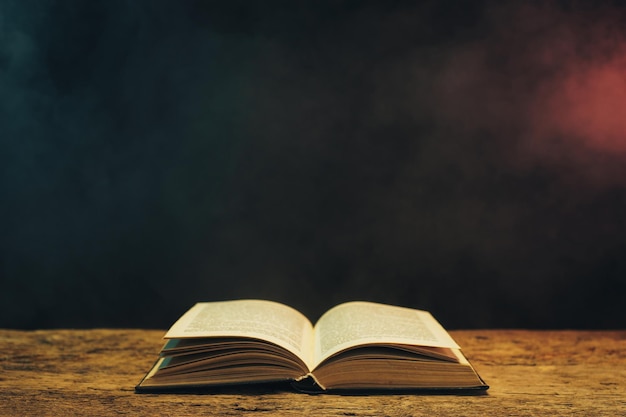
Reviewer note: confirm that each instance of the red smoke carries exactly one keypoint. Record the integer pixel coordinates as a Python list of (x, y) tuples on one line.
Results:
[(588, 106), (547, 83), (577, 118), (582, 100)]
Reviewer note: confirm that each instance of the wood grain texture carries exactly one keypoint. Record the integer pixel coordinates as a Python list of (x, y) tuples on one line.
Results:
[(93, 373)]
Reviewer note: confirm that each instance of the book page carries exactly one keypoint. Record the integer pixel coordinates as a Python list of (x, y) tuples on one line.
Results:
[(358, 322), (266, 320)]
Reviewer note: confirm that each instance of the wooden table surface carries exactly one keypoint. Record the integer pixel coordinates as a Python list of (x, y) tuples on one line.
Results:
[(93, 373)]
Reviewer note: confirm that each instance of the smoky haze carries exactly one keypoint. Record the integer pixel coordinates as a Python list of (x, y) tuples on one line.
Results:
[(468, 158)]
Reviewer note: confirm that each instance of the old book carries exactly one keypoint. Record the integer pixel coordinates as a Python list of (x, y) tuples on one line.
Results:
[(354, 346)]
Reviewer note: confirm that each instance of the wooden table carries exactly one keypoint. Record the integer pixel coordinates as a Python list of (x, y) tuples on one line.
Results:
[(93, 373)]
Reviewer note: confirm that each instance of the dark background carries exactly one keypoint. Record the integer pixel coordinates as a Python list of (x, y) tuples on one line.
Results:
[(468, 158)]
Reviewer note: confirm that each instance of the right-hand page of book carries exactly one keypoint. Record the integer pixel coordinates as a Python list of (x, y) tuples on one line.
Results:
[(360, 322)]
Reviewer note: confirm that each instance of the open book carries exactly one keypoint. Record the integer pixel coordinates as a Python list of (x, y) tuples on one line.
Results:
[(353, 346)]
